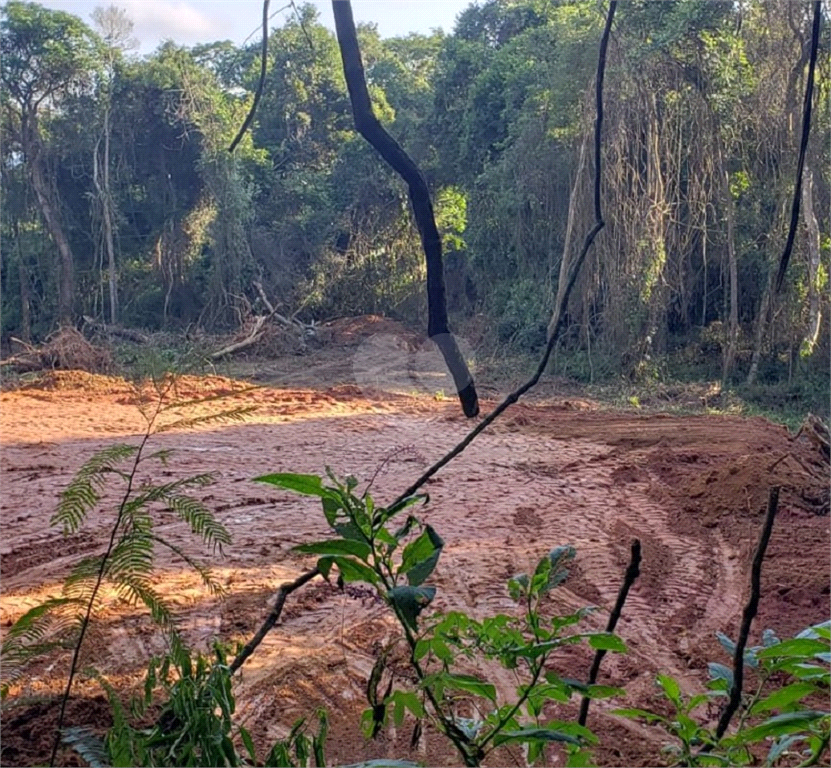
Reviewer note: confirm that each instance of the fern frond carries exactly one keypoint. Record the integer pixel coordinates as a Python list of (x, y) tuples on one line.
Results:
[(87, 744), (131, 557), (41, 629), (204, 572), (33, 625), (233, 415), (80, 583), (201, 520), (162, 456), (152, 493), (136, 589), (83, 492)]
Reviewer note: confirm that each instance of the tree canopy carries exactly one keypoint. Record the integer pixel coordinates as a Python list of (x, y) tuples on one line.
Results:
[(704, 104)]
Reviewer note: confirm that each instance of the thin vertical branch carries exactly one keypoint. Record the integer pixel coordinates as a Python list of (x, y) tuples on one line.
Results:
[(803, 146), (100, 576), (749, 614), (559, 311), (632, 573)]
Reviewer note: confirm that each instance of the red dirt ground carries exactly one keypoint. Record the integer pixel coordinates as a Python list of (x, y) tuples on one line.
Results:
[(692, 489)]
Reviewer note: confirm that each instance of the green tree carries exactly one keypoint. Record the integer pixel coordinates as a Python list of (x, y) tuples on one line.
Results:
[(48, 56)]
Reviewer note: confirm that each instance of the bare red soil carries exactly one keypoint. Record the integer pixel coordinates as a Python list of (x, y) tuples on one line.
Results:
[(692, 489)]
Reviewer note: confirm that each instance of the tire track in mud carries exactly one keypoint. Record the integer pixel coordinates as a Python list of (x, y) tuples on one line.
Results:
[(516, 493), (569, 494)]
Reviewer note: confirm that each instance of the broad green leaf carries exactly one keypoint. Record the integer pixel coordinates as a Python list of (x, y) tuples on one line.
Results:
[(780, 746), (350, 570), (382, 764), (803, 671), (343, 547), (310, 485), (671, 688), (422, 648), (781, 725), (795, 648), (419, 557), (526, 735), (632, 712), (750, 659), (405, 700), (351, 531), (817, 630), (248, 743), (441, 651), (472, 685), (411, 601), (607, 642), (769, 638), (518, 586), (405, 503), (579, 758), (720, 672), (726, 643), (784, 697)]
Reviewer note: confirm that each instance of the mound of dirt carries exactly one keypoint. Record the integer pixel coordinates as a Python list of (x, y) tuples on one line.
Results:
[(351, 331)]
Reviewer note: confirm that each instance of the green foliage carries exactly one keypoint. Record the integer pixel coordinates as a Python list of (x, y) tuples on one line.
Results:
[(191, 698), (128, 561), (398, 563), (786, 711), (45, 53)]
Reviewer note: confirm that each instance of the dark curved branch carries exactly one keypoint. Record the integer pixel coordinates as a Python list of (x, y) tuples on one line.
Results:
[(259, 92), (282, 593), (559, 312), (371, 129), (749, 614), (632, 573), (803, 146)]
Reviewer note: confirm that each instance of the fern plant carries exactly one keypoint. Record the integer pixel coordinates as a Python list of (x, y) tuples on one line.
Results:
[(128, 560)]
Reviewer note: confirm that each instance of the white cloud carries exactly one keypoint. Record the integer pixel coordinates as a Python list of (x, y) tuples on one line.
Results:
[(175, 19)]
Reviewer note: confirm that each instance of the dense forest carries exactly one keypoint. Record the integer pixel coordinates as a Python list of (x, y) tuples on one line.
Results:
[(121, 201)]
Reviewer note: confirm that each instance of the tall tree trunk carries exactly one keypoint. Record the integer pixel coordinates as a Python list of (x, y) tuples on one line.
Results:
[(761, 328), (572, 213), (101, 179), (50, 210), (25, 298), (733, 328), (814, 311), (51, 215), (655, 290)]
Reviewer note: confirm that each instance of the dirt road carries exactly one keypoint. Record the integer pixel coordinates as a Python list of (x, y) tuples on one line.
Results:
[(692, 489)]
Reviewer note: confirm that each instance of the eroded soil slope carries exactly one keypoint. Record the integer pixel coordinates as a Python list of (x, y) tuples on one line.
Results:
[(692, 489)]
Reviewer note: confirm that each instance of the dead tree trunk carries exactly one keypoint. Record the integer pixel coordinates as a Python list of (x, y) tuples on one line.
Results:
[(733, 330), (371, 129), (51, 215), (813, 243)]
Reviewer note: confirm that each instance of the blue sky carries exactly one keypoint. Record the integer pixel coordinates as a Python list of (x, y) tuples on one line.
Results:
[(188, 22)]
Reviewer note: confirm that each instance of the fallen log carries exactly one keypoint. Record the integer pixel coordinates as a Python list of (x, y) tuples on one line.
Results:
[(252, 338)]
